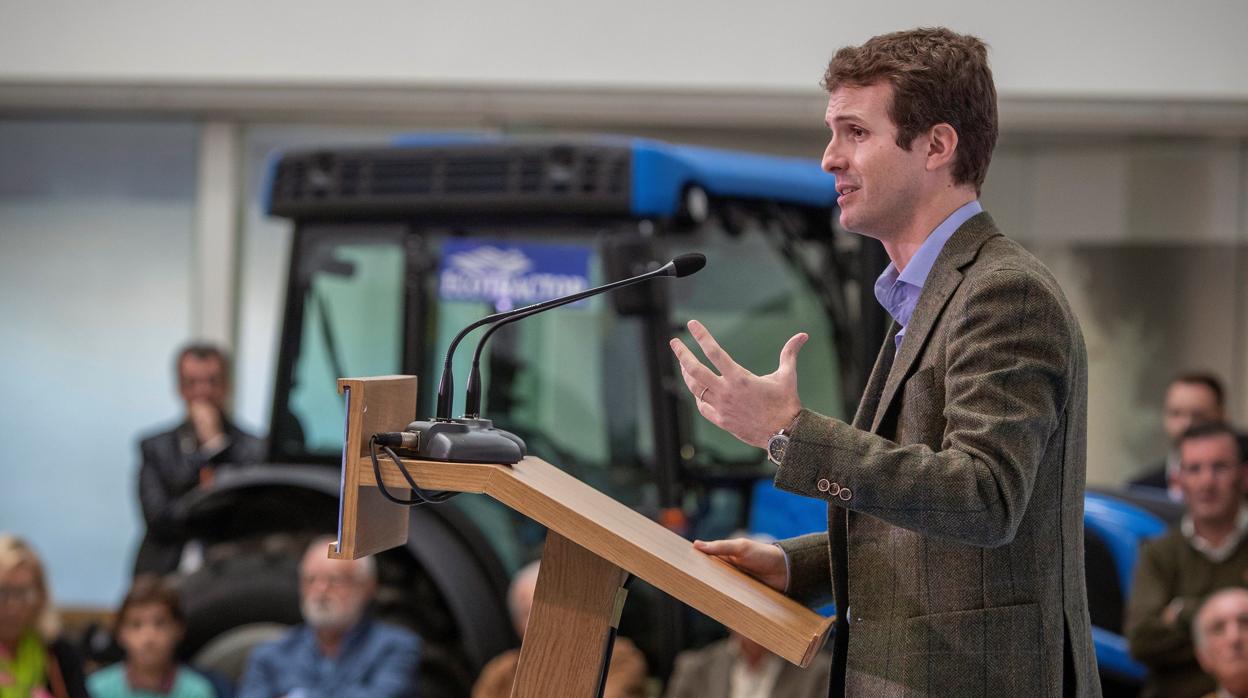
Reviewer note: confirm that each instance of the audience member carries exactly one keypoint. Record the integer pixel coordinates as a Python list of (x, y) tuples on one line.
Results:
[(1204, 553), (149, 626), (33, 660), (339, 650), (1191, 398), (626, 674), (1221, 635), (180, 459), (737, 667)]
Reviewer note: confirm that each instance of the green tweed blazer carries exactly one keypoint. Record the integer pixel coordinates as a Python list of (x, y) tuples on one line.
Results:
[(956, 496)]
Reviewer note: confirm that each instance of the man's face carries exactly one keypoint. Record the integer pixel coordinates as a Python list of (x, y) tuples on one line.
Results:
[(1188, 404), (879, 183), (202, 380), (333, 593), (1223, 651), (1210, 477)]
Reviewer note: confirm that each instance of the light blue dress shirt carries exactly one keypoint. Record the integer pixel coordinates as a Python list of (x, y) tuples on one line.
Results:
[(899, 293)]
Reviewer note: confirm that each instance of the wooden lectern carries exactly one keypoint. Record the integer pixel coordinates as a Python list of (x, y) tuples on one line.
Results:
[(593, 544)]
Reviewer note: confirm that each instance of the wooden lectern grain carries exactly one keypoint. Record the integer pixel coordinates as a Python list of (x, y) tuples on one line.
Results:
[(633, 542), (573, 609), (368, 523)]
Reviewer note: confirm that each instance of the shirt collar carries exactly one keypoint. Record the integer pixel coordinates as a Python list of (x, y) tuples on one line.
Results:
[(921, 263), (898, 291), (1218, 553)]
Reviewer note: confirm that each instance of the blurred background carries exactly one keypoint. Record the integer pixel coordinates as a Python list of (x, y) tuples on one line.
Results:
[(136, 139)]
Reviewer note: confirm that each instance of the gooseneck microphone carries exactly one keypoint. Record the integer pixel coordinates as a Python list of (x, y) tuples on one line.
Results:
[(682, 266), (472, 439)]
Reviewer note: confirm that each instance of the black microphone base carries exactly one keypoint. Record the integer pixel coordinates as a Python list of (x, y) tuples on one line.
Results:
[(466, 441)]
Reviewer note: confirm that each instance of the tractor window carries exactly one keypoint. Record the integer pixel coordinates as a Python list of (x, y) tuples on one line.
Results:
[(752, 299), (350, 293)]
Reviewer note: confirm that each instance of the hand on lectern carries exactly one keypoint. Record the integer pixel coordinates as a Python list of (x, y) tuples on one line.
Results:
[(762, 561), (751, 408)]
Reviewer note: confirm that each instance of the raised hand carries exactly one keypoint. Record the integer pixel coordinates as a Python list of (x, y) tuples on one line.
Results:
[(205, 418), (749, 407)]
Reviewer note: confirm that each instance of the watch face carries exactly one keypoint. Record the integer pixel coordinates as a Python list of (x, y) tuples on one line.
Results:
[(776, 446)]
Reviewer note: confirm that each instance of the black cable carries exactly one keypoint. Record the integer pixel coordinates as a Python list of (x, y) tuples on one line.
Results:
[(614, 630), (419, 496)]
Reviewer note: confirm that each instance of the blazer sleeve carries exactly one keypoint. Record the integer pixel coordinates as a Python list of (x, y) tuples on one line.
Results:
[(1010, 356), (154, 495), (810, 568)]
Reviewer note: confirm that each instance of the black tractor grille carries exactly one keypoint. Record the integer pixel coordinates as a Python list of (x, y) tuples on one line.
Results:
[(482, 178)]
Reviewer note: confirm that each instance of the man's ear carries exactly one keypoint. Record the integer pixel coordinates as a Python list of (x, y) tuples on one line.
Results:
[(942, 146)]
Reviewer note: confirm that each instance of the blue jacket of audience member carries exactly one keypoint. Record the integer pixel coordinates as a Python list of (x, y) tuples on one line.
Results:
[(376, 659)]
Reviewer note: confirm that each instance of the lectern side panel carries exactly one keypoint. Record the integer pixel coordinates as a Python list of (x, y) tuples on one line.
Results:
[(644, 548), (367, 522), (573, 609)]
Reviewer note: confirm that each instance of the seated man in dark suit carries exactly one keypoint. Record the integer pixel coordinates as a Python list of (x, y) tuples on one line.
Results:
[(339, 650), (1205, 552), (178, 460)]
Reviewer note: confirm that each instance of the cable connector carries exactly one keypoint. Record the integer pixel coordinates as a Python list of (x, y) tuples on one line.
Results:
[(408, 440)]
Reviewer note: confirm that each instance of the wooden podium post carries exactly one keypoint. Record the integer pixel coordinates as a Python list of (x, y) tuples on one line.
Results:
[(593, 543)]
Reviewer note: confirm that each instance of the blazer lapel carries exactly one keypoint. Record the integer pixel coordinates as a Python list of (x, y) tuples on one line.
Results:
[(942, 281), (864, 416)]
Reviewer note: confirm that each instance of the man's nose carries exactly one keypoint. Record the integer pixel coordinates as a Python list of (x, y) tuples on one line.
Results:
[(833, 157)]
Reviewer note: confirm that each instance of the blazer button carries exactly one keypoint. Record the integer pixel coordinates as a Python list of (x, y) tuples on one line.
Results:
[(823, 485), (845, 494), (836, 489)]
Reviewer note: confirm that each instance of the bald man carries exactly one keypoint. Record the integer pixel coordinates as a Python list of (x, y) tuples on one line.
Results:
[(1221, 634)]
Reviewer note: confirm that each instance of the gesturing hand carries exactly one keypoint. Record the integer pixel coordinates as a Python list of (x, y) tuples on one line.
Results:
[(749, 407), (762, 561)]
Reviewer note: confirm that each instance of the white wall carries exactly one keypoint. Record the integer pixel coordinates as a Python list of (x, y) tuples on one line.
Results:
[(1108, 48), (96, 227), (1149, 240)]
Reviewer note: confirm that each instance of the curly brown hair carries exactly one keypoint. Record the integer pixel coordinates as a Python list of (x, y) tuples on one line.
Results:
[(938, 76)]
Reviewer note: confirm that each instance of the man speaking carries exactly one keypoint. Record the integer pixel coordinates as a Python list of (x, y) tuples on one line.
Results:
[(954, 549)]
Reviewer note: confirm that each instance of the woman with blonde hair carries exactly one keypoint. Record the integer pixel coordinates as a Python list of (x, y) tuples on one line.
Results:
[(34, 663)]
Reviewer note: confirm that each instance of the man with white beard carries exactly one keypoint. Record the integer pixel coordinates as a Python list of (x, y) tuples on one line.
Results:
[(339, 650)]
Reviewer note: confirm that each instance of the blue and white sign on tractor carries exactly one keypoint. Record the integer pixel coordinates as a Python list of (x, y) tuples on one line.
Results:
[(510, 275)]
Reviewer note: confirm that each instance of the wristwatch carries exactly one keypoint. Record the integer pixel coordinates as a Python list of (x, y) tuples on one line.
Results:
[(776, 446)]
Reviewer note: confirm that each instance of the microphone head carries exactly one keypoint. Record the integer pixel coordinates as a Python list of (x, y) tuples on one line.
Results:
[(687, 264)]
